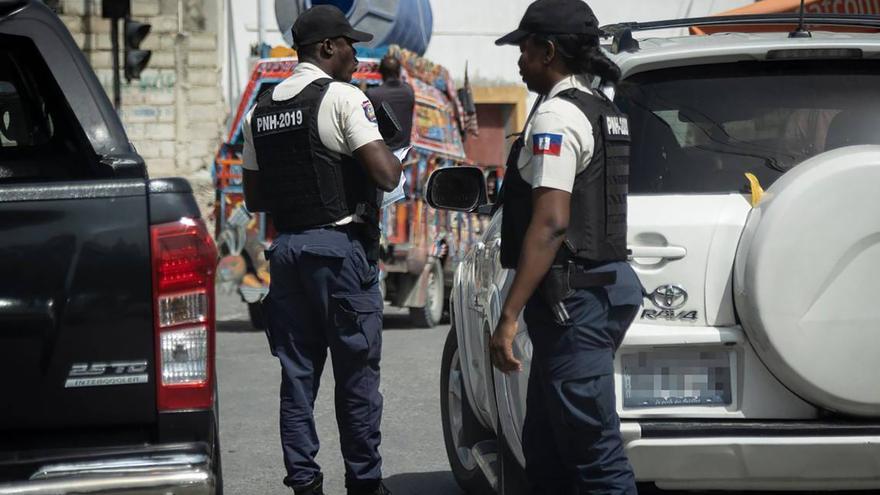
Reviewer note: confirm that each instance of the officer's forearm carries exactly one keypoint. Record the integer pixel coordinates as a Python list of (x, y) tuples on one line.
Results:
[(539, 249), (381, 165), (544, 237)]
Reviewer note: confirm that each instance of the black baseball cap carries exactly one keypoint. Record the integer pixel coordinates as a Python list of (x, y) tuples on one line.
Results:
[(323, 22), (554, 17)]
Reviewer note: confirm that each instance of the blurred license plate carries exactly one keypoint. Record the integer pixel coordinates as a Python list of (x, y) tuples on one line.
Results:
[(674, 378)]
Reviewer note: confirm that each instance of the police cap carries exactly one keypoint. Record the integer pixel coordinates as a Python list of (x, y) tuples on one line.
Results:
[(323, 22), (554, 17)]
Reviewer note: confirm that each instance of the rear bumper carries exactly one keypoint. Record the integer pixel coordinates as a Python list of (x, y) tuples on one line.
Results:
[(757, 456), (183, 471)]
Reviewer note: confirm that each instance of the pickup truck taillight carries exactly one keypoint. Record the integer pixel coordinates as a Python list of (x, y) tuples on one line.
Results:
[(184, 260)]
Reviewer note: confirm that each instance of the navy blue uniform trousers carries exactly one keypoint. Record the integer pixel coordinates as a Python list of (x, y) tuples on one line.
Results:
[(324, 294), (571, 434)]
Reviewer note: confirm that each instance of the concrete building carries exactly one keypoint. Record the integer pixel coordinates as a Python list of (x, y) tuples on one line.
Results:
[(175, 113)]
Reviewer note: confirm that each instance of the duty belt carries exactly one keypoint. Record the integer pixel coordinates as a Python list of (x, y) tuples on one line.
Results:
[(562, 280)]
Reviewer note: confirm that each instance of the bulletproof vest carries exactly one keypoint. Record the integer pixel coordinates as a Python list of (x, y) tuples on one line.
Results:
[(304, 183), (597, 227)]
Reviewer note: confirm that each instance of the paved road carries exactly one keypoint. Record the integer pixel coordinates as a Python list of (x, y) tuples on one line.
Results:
[(412, 446), (415, 458)]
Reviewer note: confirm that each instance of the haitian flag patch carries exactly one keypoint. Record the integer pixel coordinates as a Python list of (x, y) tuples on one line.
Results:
[(547, 144)]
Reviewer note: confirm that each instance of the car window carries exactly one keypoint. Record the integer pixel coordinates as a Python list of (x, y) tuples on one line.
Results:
[(23, 122), (700, 129), (40, 139)]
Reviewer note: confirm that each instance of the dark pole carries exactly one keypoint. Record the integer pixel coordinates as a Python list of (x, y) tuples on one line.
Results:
[(801, 31), (114, 35), (803, 10)]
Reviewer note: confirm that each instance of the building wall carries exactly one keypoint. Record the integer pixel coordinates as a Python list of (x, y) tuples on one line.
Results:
[(175, 113), (484, 149)]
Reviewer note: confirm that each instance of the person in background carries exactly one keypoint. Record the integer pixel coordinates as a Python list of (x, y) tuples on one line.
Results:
[(399, 96)]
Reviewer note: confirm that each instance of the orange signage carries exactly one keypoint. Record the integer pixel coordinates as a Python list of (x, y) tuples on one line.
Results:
[(851, 7)]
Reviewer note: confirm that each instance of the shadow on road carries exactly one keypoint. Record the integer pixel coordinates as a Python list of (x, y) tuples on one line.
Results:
[(437, 483), (394, 321), (236, 326), (400, 321)]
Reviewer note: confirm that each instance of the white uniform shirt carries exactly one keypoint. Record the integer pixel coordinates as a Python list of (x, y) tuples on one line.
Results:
[(559, 140), (346, 119)]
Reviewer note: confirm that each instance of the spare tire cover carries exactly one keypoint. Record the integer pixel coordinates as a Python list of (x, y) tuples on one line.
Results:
[(805, 277)]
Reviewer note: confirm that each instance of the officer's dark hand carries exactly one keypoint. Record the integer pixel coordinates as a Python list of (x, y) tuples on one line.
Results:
[(501, 346)]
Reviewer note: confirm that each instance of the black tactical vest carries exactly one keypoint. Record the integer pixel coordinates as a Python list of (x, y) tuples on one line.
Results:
[(306, 184), (597, 227)]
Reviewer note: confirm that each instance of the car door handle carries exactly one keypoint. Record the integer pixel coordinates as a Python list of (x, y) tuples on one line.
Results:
[(661, 252)]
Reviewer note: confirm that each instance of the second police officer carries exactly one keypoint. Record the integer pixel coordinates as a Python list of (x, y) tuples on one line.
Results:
[(564, 230), (314, 159)]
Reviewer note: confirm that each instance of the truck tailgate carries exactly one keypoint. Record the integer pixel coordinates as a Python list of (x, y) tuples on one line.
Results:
[(76, 329)]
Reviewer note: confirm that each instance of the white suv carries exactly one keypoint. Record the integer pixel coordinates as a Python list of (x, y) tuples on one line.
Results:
[(755, 362)]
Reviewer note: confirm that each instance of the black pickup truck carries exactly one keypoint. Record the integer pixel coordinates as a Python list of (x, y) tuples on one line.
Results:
[(107, 338)]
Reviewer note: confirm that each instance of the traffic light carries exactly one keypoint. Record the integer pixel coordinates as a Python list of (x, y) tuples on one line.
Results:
[(136, 59), (115, 9)]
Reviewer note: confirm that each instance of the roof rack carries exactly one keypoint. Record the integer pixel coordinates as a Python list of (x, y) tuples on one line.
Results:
[(624, 41)]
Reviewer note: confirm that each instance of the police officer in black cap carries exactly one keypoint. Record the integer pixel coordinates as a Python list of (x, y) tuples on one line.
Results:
[(564, 230), (315, 160)]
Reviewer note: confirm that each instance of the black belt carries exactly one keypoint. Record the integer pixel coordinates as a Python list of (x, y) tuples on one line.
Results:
[(583, 280), (299, 230)]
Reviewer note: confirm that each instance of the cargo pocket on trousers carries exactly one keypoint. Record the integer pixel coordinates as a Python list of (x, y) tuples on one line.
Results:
[(358, 319), (588, 401)]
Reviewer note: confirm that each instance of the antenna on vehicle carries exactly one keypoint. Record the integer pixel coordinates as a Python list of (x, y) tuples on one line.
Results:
[(801, 31)]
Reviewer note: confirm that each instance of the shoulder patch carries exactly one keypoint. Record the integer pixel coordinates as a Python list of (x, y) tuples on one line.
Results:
[(369, 111), (547, 144)]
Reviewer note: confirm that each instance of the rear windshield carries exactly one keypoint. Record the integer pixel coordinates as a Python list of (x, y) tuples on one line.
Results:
[(40, 139), (700, 129)]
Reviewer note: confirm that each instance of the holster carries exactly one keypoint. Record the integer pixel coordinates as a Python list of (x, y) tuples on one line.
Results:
[(368, 231), (556, 285), (562, 280)]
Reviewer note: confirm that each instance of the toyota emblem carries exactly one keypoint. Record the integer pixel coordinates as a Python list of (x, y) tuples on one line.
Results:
[(669, 296)]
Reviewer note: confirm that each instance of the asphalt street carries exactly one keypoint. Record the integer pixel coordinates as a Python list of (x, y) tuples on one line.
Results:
[(412, 438)]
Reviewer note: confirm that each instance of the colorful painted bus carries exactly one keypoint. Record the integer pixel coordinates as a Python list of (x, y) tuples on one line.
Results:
[(420, 246)]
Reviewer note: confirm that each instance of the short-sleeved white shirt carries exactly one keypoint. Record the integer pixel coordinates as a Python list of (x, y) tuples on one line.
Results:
[(346, 119), (559, 140)]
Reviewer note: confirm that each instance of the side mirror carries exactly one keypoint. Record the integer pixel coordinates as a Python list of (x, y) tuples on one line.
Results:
[(457, 189)]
